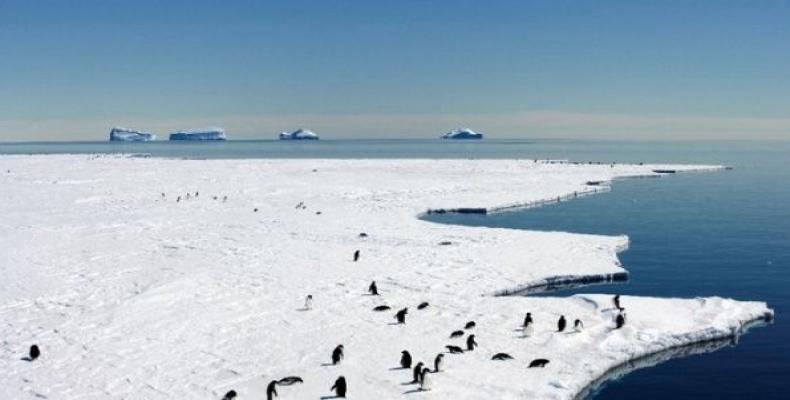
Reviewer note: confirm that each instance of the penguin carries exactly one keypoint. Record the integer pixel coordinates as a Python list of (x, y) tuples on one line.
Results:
[(178, 199), (381, 308), (271, 390), (561, 324), (340, 387), (539, 362), (456, 334), (255, 210), (454, 349), (502, 357), (405, 359), (422, 305), (578, 325), (425, 379), (619, 321), (528, 329), (373, 289), (401, 315), (308, 302), (356, 256), (34, 352), (616, 301), (470, 343), (363, 235), (224, 199), (189, 196), (527, 320), (337, 354), (197, 194), (290, 380), (417, 370), (437, 362), (230, 395), (470, 325)]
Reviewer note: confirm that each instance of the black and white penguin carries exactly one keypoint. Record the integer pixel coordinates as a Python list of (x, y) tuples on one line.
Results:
[(340, 387), (561, 324), (373, 289), (470, 325), (502, 357), (422, 305), (425, 379), (356, 256), (405, 359), (619, 321), (308, 302), (437, 362), (527, 320), (470, 343), (34, 352), (271, 390), (540, 362), (381, 308), (616, 301), (178, 199), (230, 395), (578, 325), (417, 370), (401, 315), (337, 354), (456, 334), (289, 380), (454, 349)]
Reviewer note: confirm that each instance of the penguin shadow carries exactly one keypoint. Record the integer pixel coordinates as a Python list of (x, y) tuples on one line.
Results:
[(395, 323), (328, 364), (398, 368), (26, 358), (418, 390), (329, 397), (303, 309)]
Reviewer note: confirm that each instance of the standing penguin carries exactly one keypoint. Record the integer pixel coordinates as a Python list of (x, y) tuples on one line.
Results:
[(425, 379), (470, 343), (340, 387), (437, 362), (271, 390), (405, 359), (561, 324), (417, 371), (578, 325), (356, 256), (34, 352), (337, 354), (616, 301), (401, 315), (373, 289), (308, 302), (528, 329), (527, 320), (619, 321), (230, 395)]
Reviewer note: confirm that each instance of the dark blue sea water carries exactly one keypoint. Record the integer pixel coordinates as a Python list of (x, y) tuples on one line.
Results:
[(702, 234)]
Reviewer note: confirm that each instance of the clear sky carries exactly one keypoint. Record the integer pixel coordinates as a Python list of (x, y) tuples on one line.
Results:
[(69, 70)]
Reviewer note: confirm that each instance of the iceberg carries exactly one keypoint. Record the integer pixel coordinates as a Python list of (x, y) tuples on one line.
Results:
[(118, 134), (299, 134), (199, 134), (463, 133)]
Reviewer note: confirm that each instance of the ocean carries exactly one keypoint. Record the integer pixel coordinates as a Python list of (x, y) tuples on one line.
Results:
[(724, 234)]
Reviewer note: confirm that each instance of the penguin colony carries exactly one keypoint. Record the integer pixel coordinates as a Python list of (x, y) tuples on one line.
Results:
[(420, 373)]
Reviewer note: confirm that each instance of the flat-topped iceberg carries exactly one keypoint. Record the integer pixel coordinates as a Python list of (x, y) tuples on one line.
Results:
[(299, 134), (199, 134), (463, 133), (118, 134)]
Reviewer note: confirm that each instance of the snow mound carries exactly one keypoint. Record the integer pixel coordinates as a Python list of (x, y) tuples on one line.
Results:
[(199, 134), (299, 134), (118, 134), (463, 133)]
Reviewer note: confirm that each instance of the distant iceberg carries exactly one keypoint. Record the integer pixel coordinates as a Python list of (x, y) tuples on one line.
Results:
[(199, 134), (299, 134), (118, 134), (463, 133)]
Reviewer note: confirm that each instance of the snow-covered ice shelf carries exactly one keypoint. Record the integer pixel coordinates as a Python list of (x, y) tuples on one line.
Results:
[(135, 295)]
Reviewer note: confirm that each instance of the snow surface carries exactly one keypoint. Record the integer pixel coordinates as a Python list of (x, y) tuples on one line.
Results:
[(199, 134), (134, 295), (299, 134), (463, 133), (118, 134)]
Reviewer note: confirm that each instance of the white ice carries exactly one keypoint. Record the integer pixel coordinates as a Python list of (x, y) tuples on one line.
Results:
[(199, 134), (133, 295), (299, 134), (119, 134), (462, 133)]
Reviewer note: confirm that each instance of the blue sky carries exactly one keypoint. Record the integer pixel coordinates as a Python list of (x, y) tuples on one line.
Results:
[(591, 69)]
